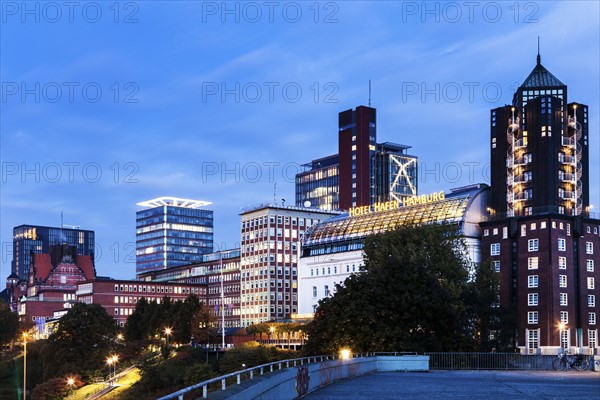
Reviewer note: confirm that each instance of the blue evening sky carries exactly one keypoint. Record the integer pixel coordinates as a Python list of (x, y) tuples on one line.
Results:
[(106, 104)]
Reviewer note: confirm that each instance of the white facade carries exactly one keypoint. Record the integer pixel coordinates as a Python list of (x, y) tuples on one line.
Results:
[(318, 275), (269, 260)]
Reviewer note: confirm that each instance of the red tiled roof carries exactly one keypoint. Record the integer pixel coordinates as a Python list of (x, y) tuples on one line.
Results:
[(42, 266), (86, 265)]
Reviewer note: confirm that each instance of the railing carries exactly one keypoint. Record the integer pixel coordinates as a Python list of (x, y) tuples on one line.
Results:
[(491, 361), (249, 372)]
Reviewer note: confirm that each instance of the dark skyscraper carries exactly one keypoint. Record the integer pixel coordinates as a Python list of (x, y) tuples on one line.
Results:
[(29, 239), (362, 173), (540, 150), (541, 235)]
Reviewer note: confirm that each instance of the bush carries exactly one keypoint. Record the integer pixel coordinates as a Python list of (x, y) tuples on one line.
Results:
[(55, 388)]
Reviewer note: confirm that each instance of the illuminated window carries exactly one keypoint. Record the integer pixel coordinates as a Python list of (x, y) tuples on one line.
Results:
[(590, 283), (589, 248), (592, 318), (532, 245), (562, 245), (496, 266), (591, 300), (532, 263), (495, 249), (589, 265), (562, 262), (564, 317)]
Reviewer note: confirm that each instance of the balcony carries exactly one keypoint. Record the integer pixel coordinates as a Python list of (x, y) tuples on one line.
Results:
[(522, 178), (521, 143), (567, 178), (568, 196), (521, 196), (566, 160), (523, 161)]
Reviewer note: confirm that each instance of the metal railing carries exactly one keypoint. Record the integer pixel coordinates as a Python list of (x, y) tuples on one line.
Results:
[(250, 372), (491, 361)]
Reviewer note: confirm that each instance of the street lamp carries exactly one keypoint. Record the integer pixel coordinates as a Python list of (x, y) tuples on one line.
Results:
[(271, 331), (25, 334), (115, 358), (109, 362), (70, 382), (167, 333), (119, 336), (345, 354)]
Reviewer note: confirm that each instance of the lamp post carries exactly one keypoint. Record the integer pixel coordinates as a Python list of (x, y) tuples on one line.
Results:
[(109, 362), (25, 365), (167, 333), (271, 331), (70, 382), (115, 358)]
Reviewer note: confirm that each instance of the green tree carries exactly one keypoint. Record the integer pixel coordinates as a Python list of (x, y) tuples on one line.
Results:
[(9, 324), (411, 296), (85, 336)]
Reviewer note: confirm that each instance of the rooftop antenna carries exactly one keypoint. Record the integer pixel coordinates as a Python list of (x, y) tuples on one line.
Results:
[(539, 59), (369, 93)]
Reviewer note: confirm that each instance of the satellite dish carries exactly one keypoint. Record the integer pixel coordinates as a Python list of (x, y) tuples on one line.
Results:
[(307, 204)]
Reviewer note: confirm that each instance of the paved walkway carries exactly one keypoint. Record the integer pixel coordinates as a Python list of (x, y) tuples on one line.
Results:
[(465, 385)]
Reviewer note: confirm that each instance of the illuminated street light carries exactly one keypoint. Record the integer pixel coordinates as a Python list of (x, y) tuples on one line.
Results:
[(109, 362), (70, 382), (120, 336), (345, 354), (167, 334), (271, 331)]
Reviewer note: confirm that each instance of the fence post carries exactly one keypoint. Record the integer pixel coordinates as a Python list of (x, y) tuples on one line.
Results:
[(223, 384), (205, 391), (238, 376)]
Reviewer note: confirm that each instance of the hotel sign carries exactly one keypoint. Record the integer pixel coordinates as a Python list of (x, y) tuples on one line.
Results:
[(392, 205)]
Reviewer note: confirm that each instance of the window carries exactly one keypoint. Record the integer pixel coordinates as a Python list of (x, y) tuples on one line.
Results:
[(533, 226), (532, 281), (532, 317), (589, 265), (562, 281), (592, 338), (543, 225), (591, 300), (562, 245), (564, 339), (563, 299), (589, 248), (532, 299), (326, 290), (496, 265), (592, 318), (532, 263), (504, 232), (532, 244), (533, 338), (524, 230), (562, 262), (314, 291), (564, 317), (486, 232), (590, 283), (495, 249)]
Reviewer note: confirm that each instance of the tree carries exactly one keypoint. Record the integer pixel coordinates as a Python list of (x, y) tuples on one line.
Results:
[(9, 324), (85, 336), (411, 296)]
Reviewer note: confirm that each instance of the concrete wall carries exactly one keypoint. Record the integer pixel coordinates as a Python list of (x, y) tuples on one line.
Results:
[(298, 381)]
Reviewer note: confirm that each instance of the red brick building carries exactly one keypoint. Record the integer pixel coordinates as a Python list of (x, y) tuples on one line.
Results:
[(119, 297), (52, 282)]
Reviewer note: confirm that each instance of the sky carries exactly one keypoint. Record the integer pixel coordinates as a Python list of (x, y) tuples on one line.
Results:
[(105, 104)]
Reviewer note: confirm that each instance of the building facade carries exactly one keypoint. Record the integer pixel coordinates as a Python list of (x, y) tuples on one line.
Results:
[(270, 237), (332, 250), (34, 239), (219, 273), (363, 172), (540, 234), (172, 232), (52, 283), (119, 297)]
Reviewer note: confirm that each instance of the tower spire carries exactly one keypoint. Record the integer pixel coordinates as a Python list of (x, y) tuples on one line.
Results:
[(539, 59)]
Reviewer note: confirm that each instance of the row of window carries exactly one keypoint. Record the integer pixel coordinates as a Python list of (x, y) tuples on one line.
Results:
[(533, 280), (533, 317), (533, 226), (156, 289), (315, 271), (533, 245)]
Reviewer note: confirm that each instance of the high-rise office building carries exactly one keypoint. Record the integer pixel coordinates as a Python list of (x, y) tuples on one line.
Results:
[(362, 173), (269, 260), (541, 235), (28, 239), (172, 232)]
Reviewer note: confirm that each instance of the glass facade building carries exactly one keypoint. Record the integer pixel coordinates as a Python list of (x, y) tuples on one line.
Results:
[(28, 239), (171, 232), (318, 186)]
